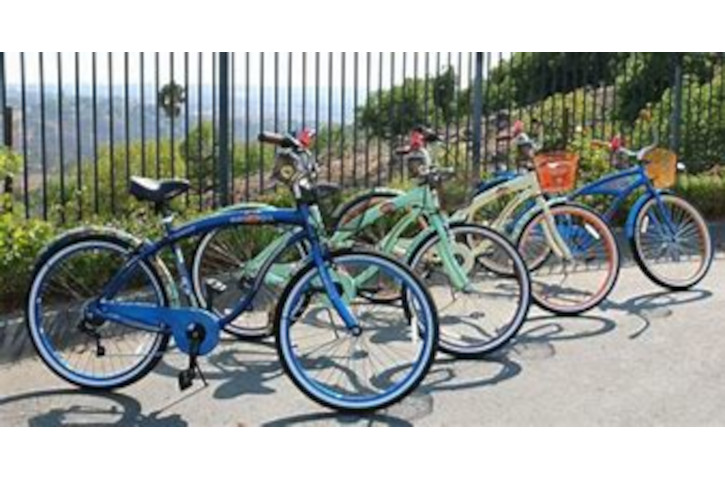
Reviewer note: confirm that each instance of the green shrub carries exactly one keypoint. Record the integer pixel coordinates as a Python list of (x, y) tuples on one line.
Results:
[(20, 242), (706, 192)]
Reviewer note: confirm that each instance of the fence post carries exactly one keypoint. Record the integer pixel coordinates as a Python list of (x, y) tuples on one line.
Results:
[(224, 125), (6, 127), (676, 120), (476, 121)]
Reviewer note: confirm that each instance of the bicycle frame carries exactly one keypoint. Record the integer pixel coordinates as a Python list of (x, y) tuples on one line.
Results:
[(155, 318), (526, 187), (421, 201), (621, 185)]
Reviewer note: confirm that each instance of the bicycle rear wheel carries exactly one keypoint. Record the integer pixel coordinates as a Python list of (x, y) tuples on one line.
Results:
[(92, 353), (569, 286), (348, 370), (234, 256), (671, 242)]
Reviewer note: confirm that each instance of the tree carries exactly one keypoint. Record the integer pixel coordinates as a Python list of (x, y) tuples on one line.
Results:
[(646, 76), (171, 97)]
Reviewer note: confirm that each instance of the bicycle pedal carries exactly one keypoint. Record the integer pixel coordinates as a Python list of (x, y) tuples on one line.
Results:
[(215, 286)]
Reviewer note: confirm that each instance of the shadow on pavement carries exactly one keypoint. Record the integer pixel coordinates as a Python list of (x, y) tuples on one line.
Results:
[(539, 335), (71, 407), (240, 368), (339, 420), (655, 305)]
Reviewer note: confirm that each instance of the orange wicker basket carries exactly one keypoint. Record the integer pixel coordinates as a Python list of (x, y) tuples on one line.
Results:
[(661, 167), (556, 171)]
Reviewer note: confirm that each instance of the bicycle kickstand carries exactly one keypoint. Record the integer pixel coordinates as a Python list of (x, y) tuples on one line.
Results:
[(186, 377)]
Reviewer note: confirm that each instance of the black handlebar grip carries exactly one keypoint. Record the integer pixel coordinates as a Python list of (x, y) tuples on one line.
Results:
[(273, 138)]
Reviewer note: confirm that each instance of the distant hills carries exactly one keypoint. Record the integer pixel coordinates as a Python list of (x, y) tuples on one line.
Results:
[(260, 110)]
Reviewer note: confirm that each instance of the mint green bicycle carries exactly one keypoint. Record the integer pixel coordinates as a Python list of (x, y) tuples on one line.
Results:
[(480, 309)]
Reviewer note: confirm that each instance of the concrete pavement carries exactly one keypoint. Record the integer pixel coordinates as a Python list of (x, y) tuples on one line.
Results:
[(646, 357)]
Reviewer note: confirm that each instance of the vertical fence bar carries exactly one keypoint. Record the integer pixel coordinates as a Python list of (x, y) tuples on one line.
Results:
[(354, 117), (469, 103), (402, 112), (575, 89), (233, 121), (368, 62), (157, 86), (329, 116), (484, 120), (127, 117), (276, 91), (458, 107), (721, 94), (43, 143), (24, 107), (110, 133), (214, 131), (6, 126), (61, 142), (261, 120), (476, 121), (380, 112), (200, 158), (172, 113), (675, 126), (223, 163), (186, 122), (317, 102), (687, 148), (79, 147), (342, 118), (437, 73), (289, 91), (304, 89), (603, 87), (142, 92), (391, 140), (94, 75), (247, 118), (426, 81)]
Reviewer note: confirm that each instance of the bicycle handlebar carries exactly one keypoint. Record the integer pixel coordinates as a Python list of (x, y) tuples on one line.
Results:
[(284, 141)]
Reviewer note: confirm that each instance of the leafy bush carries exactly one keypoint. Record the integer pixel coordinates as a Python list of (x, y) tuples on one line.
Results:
[(20, 242)]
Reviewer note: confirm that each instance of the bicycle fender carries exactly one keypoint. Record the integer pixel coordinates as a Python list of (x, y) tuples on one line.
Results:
[(162, 270), (394, 191), (634, 211)]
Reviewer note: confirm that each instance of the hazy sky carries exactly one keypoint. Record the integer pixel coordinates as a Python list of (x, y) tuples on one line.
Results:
[(404, 62)]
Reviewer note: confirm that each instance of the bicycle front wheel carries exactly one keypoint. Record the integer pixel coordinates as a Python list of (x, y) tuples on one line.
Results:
[(352, 370), (570, 284), (671, 242), (490, 309)]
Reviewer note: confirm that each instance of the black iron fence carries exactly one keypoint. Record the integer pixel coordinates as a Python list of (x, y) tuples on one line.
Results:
[(77, 126)]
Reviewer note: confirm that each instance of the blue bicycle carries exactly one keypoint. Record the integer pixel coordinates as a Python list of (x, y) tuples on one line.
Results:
[(669, 237), (102, 306)]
